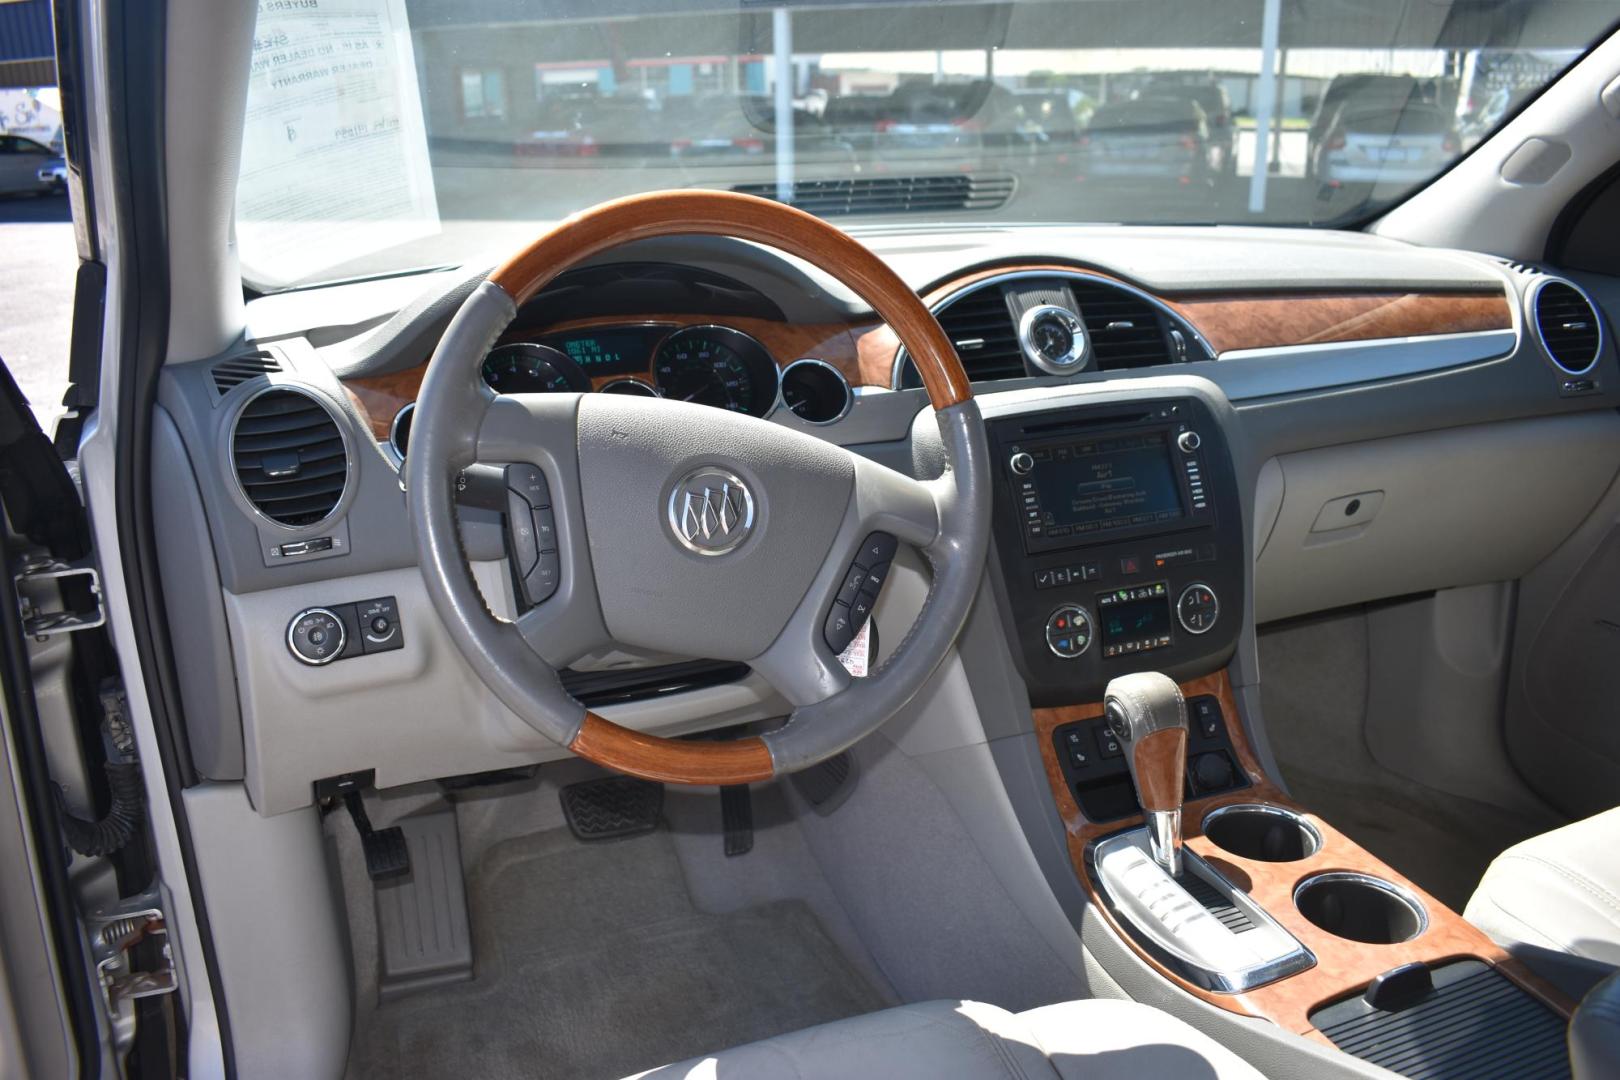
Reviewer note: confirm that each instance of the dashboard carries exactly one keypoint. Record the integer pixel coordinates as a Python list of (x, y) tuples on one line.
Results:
[(1360, 412)]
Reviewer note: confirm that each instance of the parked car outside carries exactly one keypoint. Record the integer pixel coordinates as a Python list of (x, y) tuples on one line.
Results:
[(1151, 139), (1212, 97), (1404, 145), (22, 166)]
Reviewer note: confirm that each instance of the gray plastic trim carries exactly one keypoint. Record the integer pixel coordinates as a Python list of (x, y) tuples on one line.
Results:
[(1533, 297)]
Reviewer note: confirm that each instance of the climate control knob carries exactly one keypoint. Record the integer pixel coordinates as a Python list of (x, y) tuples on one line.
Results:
[(316, 636), (1068, 631), (1021, 463), (1198, 608)]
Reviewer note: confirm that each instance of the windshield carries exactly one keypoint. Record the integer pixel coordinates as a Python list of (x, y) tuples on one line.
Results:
[(385, 135)]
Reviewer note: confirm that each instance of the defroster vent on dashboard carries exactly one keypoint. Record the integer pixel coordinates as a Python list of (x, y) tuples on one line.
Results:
[(290, 457)]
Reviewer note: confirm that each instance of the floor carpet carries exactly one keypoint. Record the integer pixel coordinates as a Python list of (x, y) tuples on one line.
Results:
[(592, 962), (1313, 690)]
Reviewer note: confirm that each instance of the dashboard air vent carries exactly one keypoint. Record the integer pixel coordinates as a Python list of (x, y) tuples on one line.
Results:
[(893, 194), (981, 328), (289, 457), (1568, 325), (232, 373), (1125, 330)]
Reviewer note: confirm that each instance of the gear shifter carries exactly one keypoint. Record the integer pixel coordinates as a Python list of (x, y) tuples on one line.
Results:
[(1149, 718)]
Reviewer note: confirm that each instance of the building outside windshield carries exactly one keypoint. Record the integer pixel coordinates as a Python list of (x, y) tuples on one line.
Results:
[(386, 135)]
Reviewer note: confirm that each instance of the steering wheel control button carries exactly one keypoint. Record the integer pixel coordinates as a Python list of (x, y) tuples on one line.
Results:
[(520, 532), (543, 580), (1198, 608), (853, 581), (529, 483), (1068, 631), (1021, 463), (877, 548), (840, 628), (316, 636), (379, 625), (545, 528)]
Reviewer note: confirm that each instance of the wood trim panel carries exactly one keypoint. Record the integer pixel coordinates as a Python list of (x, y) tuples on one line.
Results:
[(1260, 322), (1342, 966)]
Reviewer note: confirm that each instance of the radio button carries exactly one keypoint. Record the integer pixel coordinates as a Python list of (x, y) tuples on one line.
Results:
[(1189, 441), (1021, 463)]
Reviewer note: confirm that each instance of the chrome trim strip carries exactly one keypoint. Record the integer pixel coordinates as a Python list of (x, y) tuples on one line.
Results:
[(1232, 809), (1256, 373), (849, 393), (1534, 296), (648, 389), (1291, 962), (1073, 275), (1404, 895)]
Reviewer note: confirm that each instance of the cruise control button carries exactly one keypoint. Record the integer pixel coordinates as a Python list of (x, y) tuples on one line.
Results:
[(520, 532), (542, 581), (529, 483), (545, 528)]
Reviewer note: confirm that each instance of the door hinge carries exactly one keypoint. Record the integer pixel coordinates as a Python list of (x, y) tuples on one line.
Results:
[(125, 971), (43, 608)]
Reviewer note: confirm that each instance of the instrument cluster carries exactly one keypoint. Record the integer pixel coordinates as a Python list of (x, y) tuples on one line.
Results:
[(709, 365)]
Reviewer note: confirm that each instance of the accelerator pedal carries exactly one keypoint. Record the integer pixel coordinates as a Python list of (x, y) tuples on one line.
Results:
[(737, 819), (612, 807)]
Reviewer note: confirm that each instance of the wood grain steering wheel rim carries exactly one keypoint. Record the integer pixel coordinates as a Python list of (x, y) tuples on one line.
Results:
[(697, 212)]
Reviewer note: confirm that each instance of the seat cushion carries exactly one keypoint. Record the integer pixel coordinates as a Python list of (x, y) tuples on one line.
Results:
[(1559, 890), (966, 1040)]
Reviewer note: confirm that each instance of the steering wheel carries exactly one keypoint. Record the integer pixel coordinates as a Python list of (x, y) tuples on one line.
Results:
[(691, 530)]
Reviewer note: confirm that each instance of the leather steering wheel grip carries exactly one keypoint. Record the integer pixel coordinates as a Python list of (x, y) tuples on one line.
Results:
[(444, 440)]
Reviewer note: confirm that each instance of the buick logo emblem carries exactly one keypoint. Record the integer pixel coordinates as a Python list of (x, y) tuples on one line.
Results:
[(711, 511)]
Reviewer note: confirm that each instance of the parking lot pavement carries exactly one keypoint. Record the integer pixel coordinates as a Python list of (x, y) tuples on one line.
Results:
[(37, 264)]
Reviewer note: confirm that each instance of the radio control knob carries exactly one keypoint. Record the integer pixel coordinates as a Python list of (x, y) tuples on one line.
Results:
[(1189, 441), (1021, 463)]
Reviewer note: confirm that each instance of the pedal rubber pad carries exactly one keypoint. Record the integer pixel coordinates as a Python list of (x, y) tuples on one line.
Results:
[(424, 937), (612, 807), (737, 819)]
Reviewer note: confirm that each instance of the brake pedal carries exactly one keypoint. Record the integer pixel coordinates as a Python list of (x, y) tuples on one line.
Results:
[(386, 853), (612, 807)]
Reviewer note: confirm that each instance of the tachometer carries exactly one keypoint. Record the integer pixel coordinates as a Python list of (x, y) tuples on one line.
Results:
[(718, 366), (526, 368)]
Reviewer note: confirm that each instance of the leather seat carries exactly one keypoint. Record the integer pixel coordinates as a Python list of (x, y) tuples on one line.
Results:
[(965, 1040), (1558, 891)]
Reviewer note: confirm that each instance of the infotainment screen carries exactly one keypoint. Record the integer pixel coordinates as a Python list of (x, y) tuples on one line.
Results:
[(1098, 485)]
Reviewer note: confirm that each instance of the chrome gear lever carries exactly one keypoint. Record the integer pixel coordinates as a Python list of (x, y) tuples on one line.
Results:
[(1149, 718)]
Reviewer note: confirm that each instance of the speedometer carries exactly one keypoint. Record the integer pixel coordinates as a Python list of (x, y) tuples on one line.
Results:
[(718, 366), (526, 368)]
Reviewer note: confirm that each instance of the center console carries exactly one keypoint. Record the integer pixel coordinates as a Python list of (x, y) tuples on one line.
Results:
[(1119, 534)]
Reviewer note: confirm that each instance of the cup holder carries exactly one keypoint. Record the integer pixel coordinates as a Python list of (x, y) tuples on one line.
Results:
[(1361, 907), (1262, 833)]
